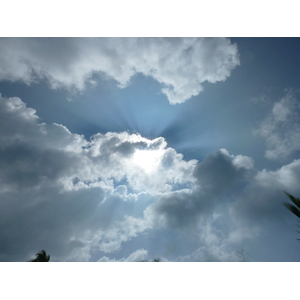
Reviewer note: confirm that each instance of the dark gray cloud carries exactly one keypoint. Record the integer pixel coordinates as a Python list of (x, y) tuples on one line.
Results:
[(215, 175), (263, 197), (221, 170), (46, 218), (26, 167)]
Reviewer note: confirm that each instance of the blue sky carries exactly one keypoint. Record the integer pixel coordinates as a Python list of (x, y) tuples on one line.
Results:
[(127, 149)]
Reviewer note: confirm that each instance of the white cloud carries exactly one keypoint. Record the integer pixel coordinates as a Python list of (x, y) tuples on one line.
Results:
[(138, 255), (73, 196), (105, 156), (181, 65), (68, 195), (281, 128), (240, 161), (220, 239), (216, 253)]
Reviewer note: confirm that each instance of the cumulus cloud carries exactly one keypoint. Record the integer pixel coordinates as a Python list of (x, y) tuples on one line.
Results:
[(69, 195), (218, 173), (263, 196), (181, 65), (281, 128), (220, 170), (74, 196), (105, 156)]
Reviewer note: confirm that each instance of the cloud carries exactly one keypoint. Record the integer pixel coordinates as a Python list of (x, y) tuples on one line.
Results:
[(70, 195), (263, 196), (281, 128), (107, 156), (216, 253), (264, 224), (138, 255), (220, 170), (75, 197), (181, 65), (218, 238), (218, 173)]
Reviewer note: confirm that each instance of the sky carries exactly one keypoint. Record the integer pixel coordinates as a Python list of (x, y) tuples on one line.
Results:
[(130, 149)]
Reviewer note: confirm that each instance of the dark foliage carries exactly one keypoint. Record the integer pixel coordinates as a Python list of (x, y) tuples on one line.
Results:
[(41, 257), (154, 260), (294, 208)]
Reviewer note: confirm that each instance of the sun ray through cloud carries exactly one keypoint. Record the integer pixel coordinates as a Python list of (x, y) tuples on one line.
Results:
[(131, 149)]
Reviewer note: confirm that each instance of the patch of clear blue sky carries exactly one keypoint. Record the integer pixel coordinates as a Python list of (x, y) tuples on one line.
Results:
[(222, 116)]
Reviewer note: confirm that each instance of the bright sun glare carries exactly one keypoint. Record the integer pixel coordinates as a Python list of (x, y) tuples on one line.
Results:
[(148, 160)]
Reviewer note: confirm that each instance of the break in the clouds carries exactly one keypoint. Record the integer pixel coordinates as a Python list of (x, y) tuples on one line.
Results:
[(181, 65)]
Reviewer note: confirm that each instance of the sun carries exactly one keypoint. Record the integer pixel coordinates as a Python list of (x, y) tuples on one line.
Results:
[(147, 160)]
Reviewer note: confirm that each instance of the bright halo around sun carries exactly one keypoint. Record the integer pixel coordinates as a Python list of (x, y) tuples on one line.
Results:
[(147, 160)]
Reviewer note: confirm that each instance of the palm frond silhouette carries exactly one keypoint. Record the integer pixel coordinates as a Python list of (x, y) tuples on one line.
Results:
[(154, 260), (294, 208), (41, 257)]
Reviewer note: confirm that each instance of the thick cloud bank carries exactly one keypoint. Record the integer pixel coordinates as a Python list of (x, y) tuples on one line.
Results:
[(181, 65), (66, 194), (85, 199)]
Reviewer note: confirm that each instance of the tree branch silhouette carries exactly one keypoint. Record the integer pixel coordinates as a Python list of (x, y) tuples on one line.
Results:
[(154, 260), (41, 257), (294, 208)]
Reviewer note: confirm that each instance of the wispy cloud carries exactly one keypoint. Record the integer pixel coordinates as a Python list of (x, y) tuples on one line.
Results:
[(136, 256), (281, 128)]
